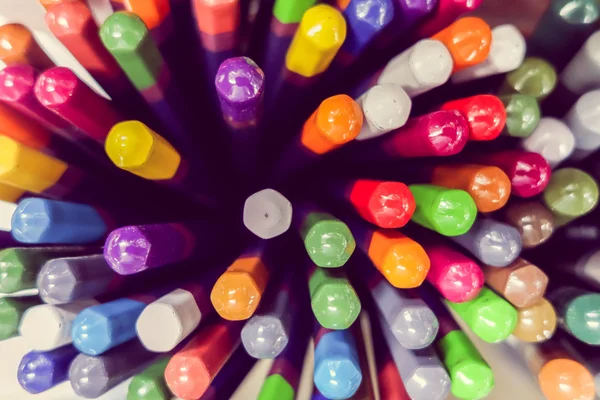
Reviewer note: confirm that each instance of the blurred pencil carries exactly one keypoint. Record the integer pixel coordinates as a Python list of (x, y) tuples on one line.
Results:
[(20, 47)]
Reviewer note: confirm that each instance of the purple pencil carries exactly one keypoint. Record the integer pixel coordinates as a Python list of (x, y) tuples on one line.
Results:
[(408, 13), (92, 376), (40, 371), (132, 249), (240, 85)]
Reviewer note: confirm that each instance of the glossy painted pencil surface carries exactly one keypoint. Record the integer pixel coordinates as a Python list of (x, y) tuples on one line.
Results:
[(535, 77), (571, 193), (40, 371), (536, 323), (385, 107), (534, 222), (521, 283), (191, 370), (577, 312), (552, 139), (485, 115), (20, 47), (522, 114), (267, 213), (11, 315)]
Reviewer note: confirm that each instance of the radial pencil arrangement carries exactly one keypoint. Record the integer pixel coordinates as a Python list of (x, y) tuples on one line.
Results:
[(364, 192)]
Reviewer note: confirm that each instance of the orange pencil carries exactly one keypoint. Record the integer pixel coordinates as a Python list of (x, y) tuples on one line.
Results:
[(154, 13), (239, 290), (488, 186), (22, 129), (337, 121), (18, 46), (468, 40)]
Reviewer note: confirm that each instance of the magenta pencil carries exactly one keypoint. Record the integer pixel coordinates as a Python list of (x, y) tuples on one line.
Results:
[(456, 277), (62, 92), (438, 134)]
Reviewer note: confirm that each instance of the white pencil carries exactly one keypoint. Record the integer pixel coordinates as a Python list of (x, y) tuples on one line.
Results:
[(507, 53), (583, 71), (6, 212), (424, 66), (267, 214), (385, 108), (584, 120), (48, 327), (552, 139)]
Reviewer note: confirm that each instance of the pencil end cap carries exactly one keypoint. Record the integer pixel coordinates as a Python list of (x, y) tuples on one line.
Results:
[(123, 32)]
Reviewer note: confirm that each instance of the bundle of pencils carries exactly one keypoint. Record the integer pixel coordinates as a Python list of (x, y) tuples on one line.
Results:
[(373, 187)]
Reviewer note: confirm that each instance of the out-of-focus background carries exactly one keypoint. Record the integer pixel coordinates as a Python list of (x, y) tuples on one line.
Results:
[(512, 377)]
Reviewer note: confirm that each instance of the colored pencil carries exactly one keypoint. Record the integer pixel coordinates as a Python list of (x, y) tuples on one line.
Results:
[(105, 326), (562, 29), (6, 212), (491, 242), (581, 352), (328, 241), (557, 372), (192, 369), (11, 312), (20, 265), (570, 194), (150, 383), (267, 213), (156, 15), (535, 77), (240, 86), (552, 139), (47, 327), (169, 320), (386, 204), (39, 221), (267, 333), (444, 14), (73, 279), (582, 121), (337, 373), (237, 293), (337, 121), (406, 315), (581, 73), (283, 379), (536, 323), (136, 148), (285, 18), (92, 376), (128, 39), (20, 47), (366, 23), (11, 194), (400, 259), (522, 283), (575, 310), (468, 39), (522, 114), (334, 302), (456, 277), (63, 93), (419, 137), (422, 67), (471, 376), (485, 115), (218, 25), (389, 382), (507, 53), (433, 205), (489, 187), (529, 172), (385, 108), (40, 371), (136, 248), (422, 372), (228, 379), (488, 315)]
